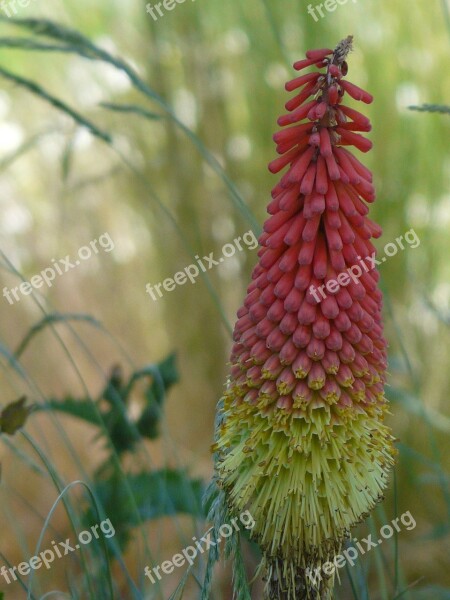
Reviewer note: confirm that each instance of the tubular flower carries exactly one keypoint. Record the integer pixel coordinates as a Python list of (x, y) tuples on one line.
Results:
[(301, 442)]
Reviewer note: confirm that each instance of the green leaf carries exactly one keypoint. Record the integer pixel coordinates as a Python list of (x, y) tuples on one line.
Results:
[(124, 433), (14, 416), (164, 375), (121, 432), (114, 390), (148, 422), (82, 409), (168, 370), (156, 494)]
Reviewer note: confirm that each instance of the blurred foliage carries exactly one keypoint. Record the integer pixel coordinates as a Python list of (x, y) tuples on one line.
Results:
[(146, 495), (432, 108), (155, 495), (116, 425), (14, 416)]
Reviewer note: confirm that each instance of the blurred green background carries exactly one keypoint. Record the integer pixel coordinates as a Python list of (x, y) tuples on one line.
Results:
[(184, 182)]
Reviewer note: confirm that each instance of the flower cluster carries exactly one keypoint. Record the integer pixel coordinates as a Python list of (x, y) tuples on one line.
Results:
[(302, 444)]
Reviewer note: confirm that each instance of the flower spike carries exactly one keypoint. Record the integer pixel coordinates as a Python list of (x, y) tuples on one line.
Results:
[(300, 441)]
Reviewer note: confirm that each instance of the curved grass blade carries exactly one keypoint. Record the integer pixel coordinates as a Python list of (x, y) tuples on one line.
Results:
[(36, 89), (49, 516), (178, 593), (432, 108), (50, 319), (19, 578), (132, 108)]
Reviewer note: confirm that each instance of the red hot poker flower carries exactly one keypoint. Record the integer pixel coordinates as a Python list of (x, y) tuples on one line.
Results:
[(301, 442)]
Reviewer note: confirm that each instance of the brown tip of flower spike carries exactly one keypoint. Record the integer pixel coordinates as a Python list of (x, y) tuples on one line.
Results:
[(342, 50), (301, 443)]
